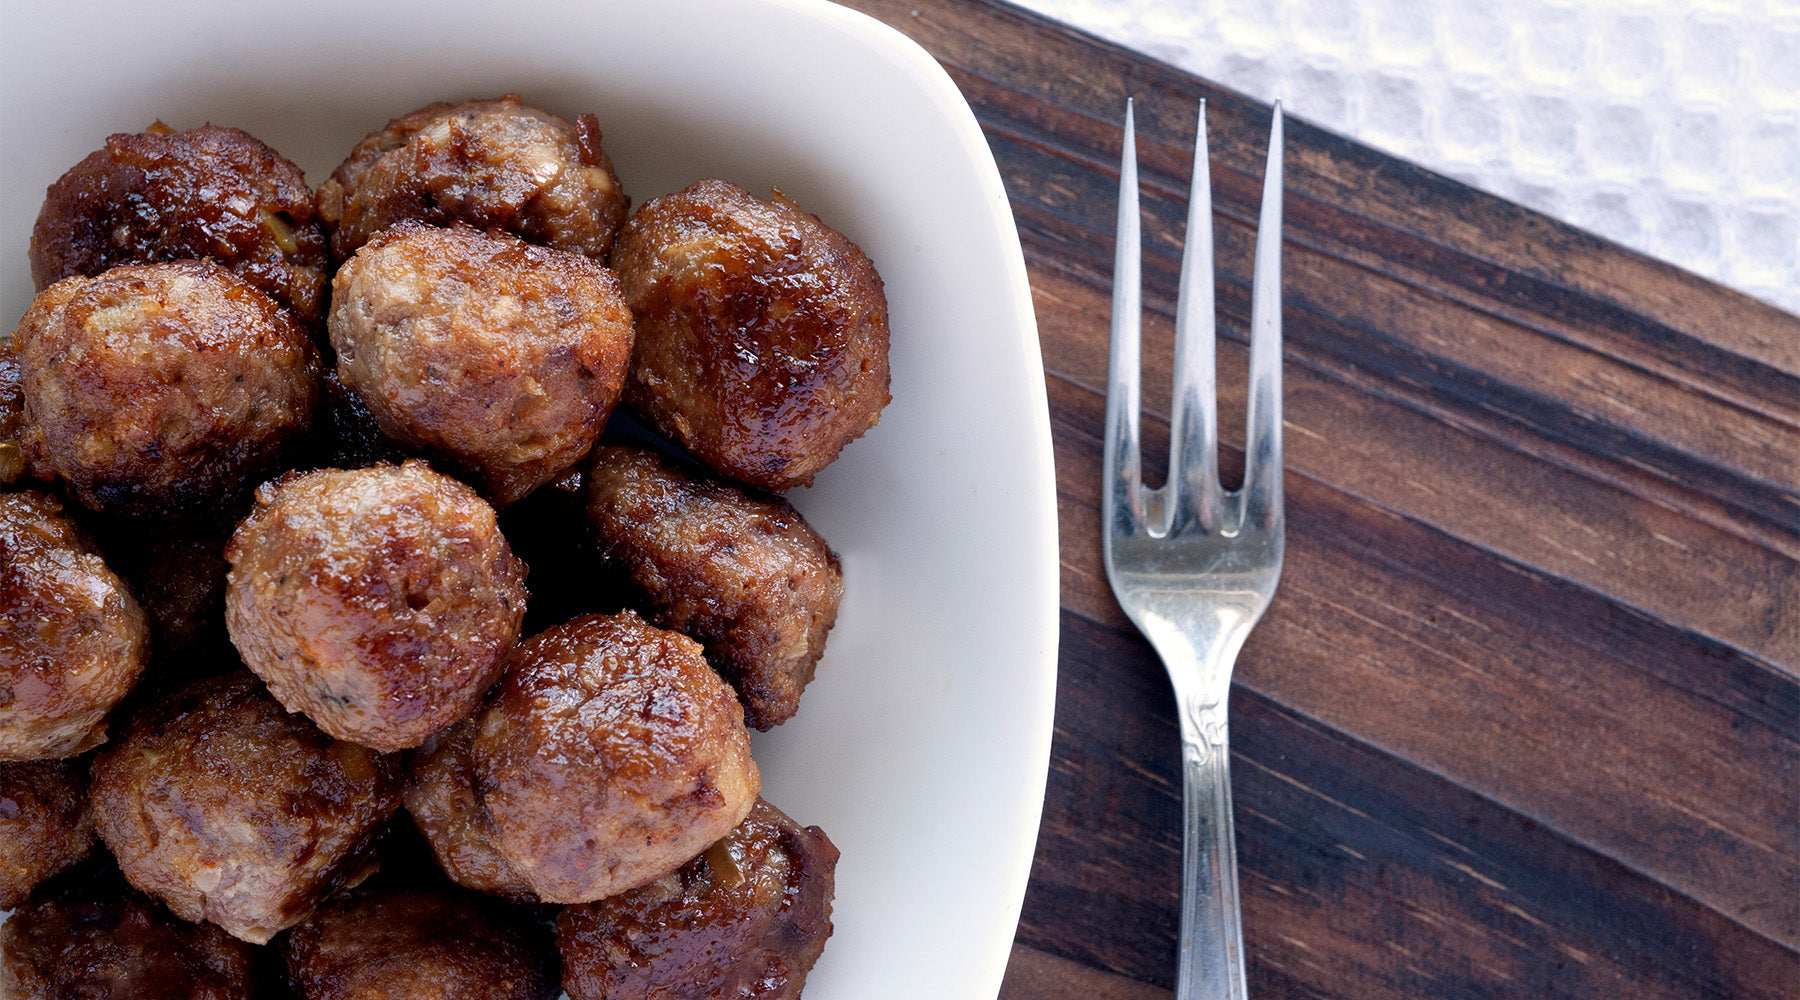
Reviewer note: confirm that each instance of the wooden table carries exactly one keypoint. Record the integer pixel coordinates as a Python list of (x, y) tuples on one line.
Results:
[(1524, 718)]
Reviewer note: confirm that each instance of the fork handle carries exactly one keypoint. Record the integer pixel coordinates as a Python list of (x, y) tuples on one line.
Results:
[(1212, 931)]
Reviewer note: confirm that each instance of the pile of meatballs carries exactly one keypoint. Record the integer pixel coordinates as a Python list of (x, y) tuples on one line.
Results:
[(352, 644)]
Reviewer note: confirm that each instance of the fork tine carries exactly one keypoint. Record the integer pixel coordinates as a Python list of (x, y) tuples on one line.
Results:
[(1123, 499), (1196, 497), (1262, 493)]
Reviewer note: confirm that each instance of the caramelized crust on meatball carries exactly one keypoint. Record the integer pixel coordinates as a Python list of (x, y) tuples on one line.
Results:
[(440, 795), (233, 811), (503, 358), (499, 166), (762, 333), (381, 602), (72, 639), (45, 825), (611, 755), (161, 388), (106, 942), (416, 944), (746, 920), (209, 193), (742, 573), (12, 414)]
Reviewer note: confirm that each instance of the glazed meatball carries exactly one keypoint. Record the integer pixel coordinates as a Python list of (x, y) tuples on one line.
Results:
[(45, 825), (611, 755), (502, 358), (742, 573), (209, 193), (440, 795), (108, 943), (233, 811), (762, 334), (12, 415), (498, 166), (381, 602), (746, 920), (417, 944), (162, 388), (72, 639)]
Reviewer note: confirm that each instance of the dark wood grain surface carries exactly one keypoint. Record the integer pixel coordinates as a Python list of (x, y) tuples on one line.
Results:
[(1524, 718)]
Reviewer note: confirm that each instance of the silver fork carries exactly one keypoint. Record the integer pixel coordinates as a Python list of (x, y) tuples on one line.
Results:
[(1193, 565)]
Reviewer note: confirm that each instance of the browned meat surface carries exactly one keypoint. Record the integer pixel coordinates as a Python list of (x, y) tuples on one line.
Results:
[(381, 602), (742, 573), (498, 166), (106, 942), (762, 334), (416, 944), (234, 811), (440, 795), (45, 825), (746, 920), (12, 414), (209, 193), (161, 388), (72, 639), (610, 756), (502, 358)]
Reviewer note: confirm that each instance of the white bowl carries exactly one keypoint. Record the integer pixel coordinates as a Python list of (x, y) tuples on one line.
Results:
[(922, 748)]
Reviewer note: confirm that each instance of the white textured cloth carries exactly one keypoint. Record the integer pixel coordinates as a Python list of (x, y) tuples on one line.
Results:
[(1671, 127)]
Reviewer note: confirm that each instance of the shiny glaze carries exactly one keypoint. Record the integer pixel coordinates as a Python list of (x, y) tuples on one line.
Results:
[(762, 333), (209, 193), (381, 602), (610, 755)]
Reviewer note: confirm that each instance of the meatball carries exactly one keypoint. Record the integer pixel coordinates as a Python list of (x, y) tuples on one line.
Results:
[(233, 811), (746, 921), (381, 602), (72, 639), (762, 334), (411, 944), (498, 166), (108, 943), (744, 574), (209, 193), (440, 795), (611, 755), (502, 358), (12, 415), (161, 388), (45, 825)]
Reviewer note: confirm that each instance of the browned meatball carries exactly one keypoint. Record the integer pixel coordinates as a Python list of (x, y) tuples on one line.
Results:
[(762, 334), (161, 388), (742, 573), (106, 942), (209, 193), (12, 414), (611, 755), (498, 166), (501, 357), (744, 921), (45, 825), (381, 602), (440, 795), (72, 639), (233, 811), (416, 944)]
